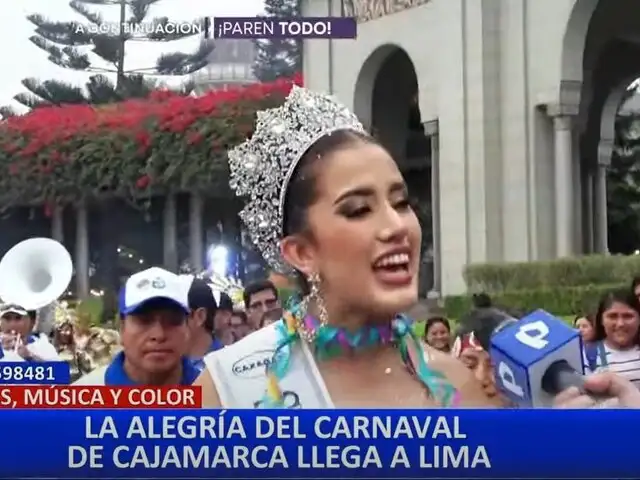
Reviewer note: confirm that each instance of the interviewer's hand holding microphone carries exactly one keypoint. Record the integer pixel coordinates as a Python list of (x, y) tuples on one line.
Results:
[(617, 391), (538, 363)]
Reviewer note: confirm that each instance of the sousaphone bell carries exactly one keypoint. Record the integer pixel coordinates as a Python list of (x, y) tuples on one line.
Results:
[(35, 273)]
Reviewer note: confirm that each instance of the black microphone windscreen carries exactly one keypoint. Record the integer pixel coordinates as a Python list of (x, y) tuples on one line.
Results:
[(484, 322)]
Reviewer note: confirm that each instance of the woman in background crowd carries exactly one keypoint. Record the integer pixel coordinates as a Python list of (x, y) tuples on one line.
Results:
[(585, 325), (635, 286), (616, 342), (437, 333)]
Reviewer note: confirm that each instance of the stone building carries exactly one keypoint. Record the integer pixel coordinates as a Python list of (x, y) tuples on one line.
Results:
[(519, 98), (231, 63)]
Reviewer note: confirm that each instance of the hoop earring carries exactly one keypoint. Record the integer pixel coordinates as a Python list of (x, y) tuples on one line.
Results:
[(314, 297)]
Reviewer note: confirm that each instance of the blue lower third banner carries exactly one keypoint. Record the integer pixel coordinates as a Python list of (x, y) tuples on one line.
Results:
[(320, 444)]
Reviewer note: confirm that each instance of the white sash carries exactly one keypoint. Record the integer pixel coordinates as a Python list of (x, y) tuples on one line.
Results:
[(238, 373)]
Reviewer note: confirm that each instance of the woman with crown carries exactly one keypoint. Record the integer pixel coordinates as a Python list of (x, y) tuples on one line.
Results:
[(324, 198)]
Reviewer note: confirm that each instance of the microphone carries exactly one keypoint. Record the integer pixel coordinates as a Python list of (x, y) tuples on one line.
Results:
[(535, 358)]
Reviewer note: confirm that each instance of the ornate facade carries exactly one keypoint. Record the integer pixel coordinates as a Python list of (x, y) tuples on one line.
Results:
[(519, 97)]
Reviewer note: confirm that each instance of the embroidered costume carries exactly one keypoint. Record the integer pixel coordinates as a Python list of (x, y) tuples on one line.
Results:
[(65, 329)]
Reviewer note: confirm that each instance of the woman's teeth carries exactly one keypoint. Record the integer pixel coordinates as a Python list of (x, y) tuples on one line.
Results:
[(397, 260)]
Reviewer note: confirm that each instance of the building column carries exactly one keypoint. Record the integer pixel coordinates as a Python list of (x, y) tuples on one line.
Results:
[(578, 215), (170, 227), (196, 232), (57, 223), (601, 227), (564, 178), (82, 251), (588, 210), (432, 131)]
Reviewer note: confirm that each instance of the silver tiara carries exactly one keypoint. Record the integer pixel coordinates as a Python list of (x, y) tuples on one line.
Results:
[(261, 167)]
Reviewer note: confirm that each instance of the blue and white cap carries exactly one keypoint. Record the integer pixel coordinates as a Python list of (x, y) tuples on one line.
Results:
[(152, 284)]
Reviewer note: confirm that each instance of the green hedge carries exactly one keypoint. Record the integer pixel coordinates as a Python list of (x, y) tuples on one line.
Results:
[(569, 272), (563, 301)]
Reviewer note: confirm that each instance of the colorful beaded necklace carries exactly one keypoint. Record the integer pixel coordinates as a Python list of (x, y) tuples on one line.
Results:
[(328, 341)]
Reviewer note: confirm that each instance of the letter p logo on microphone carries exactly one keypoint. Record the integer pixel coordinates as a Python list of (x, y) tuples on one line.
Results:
[(522, 352)]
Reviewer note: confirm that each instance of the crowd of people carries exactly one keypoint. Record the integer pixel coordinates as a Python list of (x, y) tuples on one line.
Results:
[(325, 201), (610, 335), (213, 322)]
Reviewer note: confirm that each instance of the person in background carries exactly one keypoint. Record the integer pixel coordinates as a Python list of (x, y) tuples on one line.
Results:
[(203, 308), (584, 325), (19, 343), (99, 346), (154, 312), (471, 347), (260, 298), (437, 333), (239, 325), (616, 341), (635, 286), (64, 340), (481, 300), (222, 318)]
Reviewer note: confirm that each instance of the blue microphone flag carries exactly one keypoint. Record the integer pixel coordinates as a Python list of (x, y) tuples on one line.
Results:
[(522, 353)]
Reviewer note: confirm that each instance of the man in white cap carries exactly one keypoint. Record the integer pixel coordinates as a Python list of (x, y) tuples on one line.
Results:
[(155, 336), (19, 343)]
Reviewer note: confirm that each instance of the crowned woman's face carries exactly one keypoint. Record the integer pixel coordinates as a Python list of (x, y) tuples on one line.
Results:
[(365, 241)]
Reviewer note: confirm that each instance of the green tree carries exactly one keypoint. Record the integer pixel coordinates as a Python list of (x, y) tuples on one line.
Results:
[(7, 112), (279, 57), (67, 42), (623, 186)]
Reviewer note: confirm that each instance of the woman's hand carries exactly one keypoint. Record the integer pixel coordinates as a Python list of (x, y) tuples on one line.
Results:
[(620, 393)]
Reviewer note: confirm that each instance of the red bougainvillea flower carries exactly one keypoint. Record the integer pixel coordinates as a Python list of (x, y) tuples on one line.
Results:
[(78, 151), (143, 182)]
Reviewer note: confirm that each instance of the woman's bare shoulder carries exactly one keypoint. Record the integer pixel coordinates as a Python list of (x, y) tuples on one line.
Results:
[(472, 393), (210, 397)]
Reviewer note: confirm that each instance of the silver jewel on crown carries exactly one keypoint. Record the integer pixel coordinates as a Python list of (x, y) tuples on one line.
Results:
[(262, 166)]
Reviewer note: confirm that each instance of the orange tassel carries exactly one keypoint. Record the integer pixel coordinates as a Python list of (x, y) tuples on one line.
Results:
[(273, 389)]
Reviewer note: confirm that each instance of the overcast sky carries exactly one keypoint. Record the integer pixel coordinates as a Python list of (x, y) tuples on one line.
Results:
[(20, 58)]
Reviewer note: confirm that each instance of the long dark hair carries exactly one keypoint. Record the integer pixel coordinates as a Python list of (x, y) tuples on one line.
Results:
[(624, 297)]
